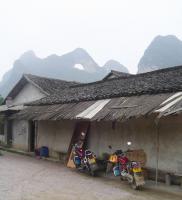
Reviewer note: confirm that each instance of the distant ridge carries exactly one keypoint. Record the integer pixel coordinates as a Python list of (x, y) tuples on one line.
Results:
[(76, 65), (163, 52)]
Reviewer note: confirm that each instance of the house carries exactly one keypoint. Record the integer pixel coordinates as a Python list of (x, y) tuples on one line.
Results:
[(113, 112), (20, 133), (116, 74)]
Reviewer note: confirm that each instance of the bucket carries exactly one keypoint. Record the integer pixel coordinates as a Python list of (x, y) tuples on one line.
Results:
[(77, 160), (44, 151), (116, 171)]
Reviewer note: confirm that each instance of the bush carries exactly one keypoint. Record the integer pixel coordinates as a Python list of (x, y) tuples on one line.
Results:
[(1, 100)]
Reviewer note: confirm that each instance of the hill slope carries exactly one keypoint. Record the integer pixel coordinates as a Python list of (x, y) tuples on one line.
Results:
[(77, 65), (163, 52)]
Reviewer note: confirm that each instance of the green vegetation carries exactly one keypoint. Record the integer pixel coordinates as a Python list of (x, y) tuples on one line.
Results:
[(1, 99), (1, 119)]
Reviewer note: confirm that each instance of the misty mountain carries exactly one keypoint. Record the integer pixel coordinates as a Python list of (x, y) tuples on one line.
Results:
[(163, 52), (77, 65)]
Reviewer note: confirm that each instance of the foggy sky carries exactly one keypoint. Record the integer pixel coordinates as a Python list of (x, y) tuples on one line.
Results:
[(117, 29)]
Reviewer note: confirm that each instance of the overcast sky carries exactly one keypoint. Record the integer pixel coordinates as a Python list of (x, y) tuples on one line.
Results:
[(117, 29)]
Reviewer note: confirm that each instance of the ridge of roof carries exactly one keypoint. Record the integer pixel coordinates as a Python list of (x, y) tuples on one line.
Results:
[(48, 78), (117, 74), (174, 68)]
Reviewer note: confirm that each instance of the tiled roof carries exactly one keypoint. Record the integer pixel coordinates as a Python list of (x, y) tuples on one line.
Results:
[(115, 109), (161, 81), (46, 85), (49, 85)]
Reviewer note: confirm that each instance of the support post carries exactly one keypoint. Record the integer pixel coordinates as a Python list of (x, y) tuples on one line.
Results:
[(157, 151)]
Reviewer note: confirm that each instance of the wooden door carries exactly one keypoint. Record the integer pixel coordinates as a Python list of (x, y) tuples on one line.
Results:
[(79, 135)]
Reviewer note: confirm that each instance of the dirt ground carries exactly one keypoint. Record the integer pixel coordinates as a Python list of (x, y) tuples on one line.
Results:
[(26, 178)]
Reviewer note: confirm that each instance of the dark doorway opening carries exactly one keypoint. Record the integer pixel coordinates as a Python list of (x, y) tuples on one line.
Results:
[(9, 133), (31, 136)]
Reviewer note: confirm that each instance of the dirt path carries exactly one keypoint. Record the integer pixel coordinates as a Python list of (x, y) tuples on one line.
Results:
[(25, 178)]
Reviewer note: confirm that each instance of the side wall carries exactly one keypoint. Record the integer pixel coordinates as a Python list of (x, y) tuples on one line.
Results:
[(143, 135), (170, 148), (20, 134), (140, 132), (27, 94), (56, 135)]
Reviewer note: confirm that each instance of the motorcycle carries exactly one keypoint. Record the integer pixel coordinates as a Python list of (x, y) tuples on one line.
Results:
[(126, 169), (85, 160), (113, 160), (131, 171)]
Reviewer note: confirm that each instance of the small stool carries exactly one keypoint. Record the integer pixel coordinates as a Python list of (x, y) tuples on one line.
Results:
[(180, 179), (168, 179)]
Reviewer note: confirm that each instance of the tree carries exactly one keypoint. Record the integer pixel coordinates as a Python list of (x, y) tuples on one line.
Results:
[(1, 99), (1, 119)]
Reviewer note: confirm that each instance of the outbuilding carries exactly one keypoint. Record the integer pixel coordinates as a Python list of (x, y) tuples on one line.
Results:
[(20, 134)]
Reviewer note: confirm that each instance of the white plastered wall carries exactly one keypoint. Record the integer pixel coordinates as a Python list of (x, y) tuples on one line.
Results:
[(27, 94), (56, 135), (142, 134)]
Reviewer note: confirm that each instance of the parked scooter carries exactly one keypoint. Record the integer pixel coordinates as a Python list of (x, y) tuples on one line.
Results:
[(85, 160), (131, 171), (127, 170), (113, 160)]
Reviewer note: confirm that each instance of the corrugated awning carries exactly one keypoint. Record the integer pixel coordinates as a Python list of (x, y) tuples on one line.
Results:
[(14, 108), (115, 109), (91, 111)]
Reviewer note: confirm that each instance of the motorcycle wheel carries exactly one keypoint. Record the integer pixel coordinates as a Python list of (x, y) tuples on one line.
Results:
[(135, 187), (122, 178), (109, 167), (92, 173)]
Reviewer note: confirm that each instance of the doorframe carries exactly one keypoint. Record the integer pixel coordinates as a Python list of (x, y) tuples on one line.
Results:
[(75, 137)]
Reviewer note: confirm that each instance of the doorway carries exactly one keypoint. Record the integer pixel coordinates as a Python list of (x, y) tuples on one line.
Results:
[(31, 136), (9, 132), (80, 128)]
